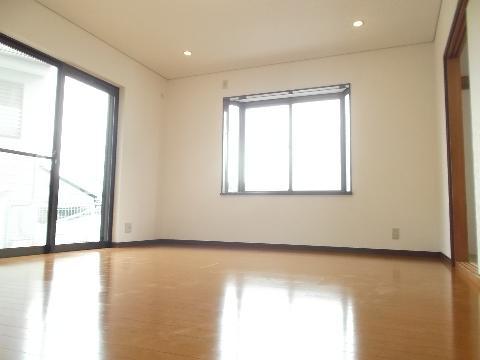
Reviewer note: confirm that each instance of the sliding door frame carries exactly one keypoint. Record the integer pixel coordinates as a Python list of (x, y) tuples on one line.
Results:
[(110, 156), (455, 140)]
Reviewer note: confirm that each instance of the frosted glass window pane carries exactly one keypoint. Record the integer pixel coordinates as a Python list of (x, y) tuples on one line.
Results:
[(316, 154), (267, 148), (233, 140)]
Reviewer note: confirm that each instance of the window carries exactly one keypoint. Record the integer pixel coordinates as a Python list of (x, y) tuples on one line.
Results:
[(289, 142), (57, 153), (11, 106)]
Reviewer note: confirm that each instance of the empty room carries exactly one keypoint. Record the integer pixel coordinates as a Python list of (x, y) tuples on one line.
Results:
[(239, 180)]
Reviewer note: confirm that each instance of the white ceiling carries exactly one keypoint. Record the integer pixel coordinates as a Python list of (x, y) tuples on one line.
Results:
[(234, 34)]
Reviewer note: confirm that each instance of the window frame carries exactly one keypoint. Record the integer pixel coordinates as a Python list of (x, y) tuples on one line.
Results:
[(289, 99)]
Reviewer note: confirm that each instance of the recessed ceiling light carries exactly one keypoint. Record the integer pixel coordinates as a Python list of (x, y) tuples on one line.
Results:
[(187, 53), (358, 23)]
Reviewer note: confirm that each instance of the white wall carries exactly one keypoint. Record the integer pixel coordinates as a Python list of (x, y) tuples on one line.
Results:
[(141, 106), (397, 155), (168, 176), (473, 34)]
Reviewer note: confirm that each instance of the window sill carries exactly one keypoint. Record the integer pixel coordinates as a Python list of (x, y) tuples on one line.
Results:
[(288, 193)]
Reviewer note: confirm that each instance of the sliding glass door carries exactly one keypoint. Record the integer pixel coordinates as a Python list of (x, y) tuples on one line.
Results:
[(57, 153), (82, 162), (27, 113)]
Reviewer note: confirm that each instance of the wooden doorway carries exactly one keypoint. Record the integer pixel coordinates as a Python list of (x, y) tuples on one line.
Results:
[(454, 82)]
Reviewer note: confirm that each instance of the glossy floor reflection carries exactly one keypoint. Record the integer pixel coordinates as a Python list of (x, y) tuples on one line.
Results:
[(177, 303), (280, 320)]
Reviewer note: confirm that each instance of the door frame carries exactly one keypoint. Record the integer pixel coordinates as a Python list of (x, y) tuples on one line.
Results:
[(110, 156), (455, 141)]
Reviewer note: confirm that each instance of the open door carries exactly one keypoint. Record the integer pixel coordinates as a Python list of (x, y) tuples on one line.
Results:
[(460, 137)]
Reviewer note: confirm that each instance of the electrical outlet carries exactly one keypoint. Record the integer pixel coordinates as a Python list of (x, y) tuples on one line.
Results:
[(395, 234), (128, 228)]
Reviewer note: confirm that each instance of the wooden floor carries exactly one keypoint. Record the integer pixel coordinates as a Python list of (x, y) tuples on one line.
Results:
[(181, 303)]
